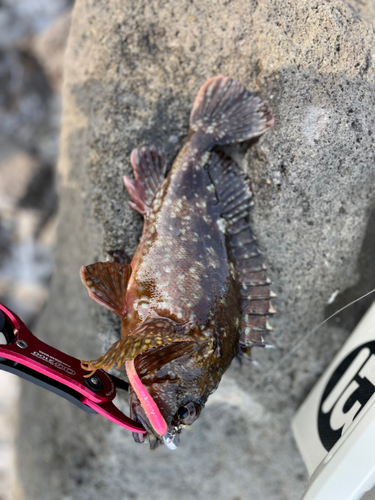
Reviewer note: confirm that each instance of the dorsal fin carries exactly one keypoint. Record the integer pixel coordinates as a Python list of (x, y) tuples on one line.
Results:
[(232, 188), (255, 286), (149, 168), (106, 283), (234, 195)]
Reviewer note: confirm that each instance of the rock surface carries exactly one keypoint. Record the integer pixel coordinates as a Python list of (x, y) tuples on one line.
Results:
[(132, 71)]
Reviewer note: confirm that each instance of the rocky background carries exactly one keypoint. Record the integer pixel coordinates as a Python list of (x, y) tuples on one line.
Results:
[(33, 35), (132, 70)]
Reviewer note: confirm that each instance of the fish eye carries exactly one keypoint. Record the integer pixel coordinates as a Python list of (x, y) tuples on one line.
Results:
[(183, 412), (187, 413)]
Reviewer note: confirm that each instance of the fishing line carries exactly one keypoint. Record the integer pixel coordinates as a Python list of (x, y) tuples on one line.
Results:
[(304, 339)]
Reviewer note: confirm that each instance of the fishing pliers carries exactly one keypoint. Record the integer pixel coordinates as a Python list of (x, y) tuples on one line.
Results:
[(31, 359)]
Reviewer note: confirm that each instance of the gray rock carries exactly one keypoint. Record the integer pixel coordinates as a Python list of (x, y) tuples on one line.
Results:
[(132, 71), (49, 47)]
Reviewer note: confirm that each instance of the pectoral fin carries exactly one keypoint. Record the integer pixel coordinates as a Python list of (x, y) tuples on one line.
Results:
[(151, 334), (106, 283)]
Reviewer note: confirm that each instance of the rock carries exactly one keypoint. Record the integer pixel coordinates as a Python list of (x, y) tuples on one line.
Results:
[(30, 74), (16, 174), (25, 262), (132, 71), (49, 47), (9, 396), (26, 18), (30, 77)]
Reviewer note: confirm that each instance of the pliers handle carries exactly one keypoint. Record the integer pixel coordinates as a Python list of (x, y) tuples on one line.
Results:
[(30, 358)]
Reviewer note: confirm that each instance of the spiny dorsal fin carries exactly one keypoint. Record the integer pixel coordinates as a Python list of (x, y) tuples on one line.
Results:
[(233, 192), (231, 186), (106, 283), (149, 168), (254, 286)]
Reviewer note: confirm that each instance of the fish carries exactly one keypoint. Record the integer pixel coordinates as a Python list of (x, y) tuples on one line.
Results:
[(196, 293)]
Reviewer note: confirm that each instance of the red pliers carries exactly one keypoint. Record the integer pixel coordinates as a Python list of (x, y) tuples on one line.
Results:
[(30, 358)]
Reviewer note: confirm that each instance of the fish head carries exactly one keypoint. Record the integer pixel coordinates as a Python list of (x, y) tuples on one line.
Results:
[(179, 378)]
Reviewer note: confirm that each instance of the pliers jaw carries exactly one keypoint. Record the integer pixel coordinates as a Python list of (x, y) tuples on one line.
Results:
[(30, 358)]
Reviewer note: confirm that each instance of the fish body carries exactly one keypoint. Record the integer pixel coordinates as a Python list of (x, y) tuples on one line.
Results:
[(181, 268), (196, 294)]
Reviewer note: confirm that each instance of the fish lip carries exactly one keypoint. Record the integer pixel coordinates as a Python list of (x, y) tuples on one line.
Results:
[(147, 425), (150, 430), (171, 438)]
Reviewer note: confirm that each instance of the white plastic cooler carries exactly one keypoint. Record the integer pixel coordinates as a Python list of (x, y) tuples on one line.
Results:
[(335, 426)]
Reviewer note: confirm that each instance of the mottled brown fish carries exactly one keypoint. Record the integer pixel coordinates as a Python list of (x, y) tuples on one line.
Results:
[(196, 293)]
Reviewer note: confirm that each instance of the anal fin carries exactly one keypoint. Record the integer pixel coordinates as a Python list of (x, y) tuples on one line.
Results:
[(149, 168)]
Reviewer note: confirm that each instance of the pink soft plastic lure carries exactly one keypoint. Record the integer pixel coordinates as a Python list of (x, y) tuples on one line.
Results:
[(148, 404)]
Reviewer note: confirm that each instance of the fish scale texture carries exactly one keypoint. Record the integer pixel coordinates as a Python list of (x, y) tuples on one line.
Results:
[(133, 69)]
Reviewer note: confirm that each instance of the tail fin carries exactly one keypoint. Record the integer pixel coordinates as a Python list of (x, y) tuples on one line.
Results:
[(225, 109)]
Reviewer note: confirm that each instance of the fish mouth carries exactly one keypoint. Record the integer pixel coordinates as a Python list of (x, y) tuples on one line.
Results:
[(151, 417), (171, 438), (152, 409), (151, 382)]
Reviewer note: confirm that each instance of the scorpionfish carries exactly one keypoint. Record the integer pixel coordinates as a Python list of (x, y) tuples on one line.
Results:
[(196, 293)]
